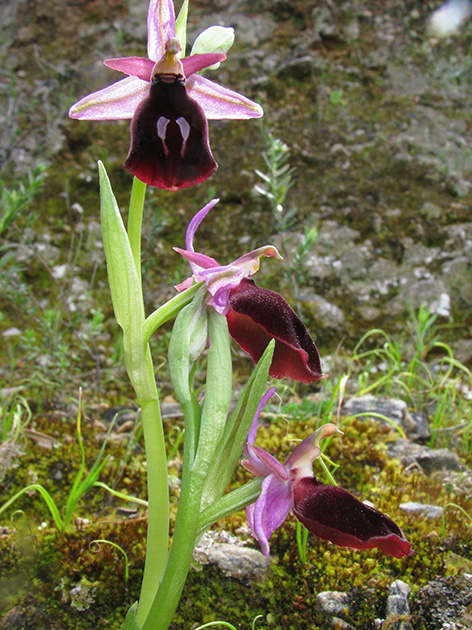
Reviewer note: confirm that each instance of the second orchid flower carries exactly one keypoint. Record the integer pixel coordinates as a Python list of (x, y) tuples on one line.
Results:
[(255, 315)]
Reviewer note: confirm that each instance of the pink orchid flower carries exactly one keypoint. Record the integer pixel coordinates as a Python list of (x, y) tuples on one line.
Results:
[(169, 105), (329, 512), (255, 315)]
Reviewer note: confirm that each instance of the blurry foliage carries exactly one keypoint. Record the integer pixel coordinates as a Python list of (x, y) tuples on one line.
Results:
[(421, 369)]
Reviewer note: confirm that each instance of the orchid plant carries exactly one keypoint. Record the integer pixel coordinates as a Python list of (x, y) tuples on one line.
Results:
[(169, 104)]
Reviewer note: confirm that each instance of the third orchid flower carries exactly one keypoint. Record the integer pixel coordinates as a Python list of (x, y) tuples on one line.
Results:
[(329, 512), (169, 103)]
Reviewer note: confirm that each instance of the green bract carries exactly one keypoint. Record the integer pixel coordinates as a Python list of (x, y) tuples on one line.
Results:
[(189, 337), (215, 39)]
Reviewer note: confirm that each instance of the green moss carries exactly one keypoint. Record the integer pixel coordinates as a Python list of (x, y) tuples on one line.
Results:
[(54, 563)]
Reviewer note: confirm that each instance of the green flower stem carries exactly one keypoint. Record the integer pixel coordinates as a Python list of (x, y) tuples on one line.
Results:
[(123, 255), (170, 590), (158, 510), (180, 556), (168, 310), (141, 372), (195, 468)]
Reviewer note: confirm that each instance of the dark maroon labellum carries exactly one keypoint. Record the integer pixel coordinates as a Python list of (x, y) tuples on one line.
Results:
[(256, 316), (334, 514), (169, 137)]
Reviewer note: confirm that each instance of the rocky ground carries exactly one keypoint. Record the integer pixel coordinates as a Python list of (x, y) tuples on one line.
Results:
[(375, 113)]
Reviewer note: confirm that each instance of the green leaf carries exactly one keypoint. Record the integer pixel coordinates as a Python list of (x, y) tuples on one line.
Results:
[(130, 623), (125, 286), (187, 342), (82, 486), (121, 495), (181, 26), (47, 498), (229, 504), (168, 310)]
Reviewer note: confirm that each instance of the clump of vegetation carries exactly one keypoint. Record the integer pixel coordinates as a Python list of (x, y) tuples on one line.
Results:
[(277, 181), (421, 369)]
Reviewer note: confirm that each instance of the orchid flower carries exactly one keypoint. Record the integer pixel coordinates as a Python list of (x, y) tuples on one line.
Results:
[(255, 315), (329, 512), (169, 103)]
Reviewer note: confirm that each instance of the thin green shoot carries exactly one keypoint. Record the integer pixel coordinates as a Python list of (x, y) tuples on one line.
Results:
[(135, 436), (226, 624), (180, 432), (47, 498), (456, 507), (442, 409), (419, 367), (15, 415), (16, 513), (16, 200), (322, 459), (380, 416), (120, 549), (302, 540), (276, 182), (465, 431), (121, 495), (80, 486)]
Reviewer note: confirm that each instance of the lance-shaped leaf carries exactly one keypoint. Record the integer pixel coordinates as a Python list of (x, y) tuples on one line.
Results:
[(125, 285)]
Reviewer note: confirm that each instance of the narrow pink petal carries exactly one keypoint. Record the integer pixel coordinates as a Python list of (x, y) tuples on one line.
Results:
[(263, 462), (133, 66), (116, 101), (161, 27), (183, 286), (251, 438), (195, 63), (195, 222), (220, 103), (203, 261), (254, 465)]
